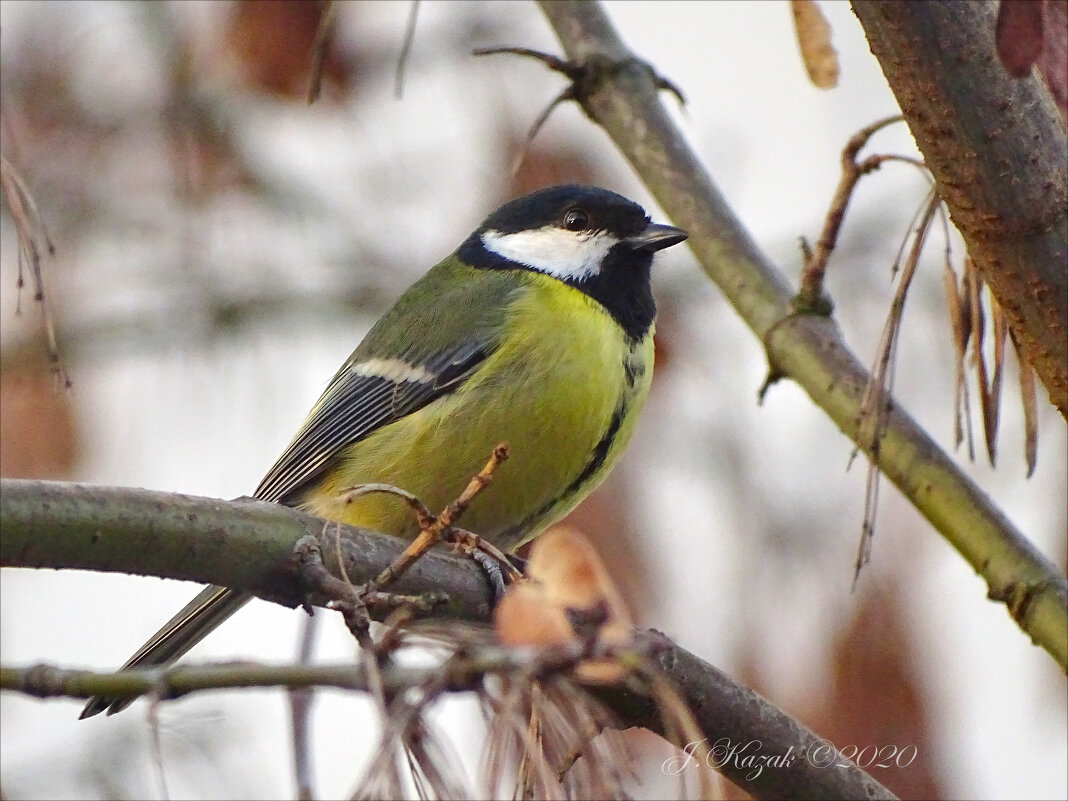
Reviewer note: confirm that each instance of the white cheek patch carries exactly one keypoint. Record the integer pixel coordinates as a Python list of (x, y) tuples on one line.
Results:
[(395, 370), (567, 255)]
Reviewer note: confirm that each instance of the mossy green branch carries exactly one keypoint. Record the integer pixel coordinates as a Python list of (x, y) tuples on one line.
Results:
[(243, 544)]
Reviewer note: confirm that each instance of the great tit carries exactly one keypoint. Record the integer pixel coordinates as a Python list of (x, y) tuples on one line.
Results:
[(536, 331)]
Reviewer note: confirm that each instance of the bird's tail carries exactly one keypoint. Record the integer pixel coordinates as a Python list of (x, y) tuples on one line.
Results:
[(194, 622)]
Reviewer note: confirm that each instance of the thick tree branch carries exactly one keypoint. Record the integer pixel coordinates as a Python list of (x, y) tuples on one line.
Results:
[(619, 93), (996, 148), (248, 545), (243, 544)]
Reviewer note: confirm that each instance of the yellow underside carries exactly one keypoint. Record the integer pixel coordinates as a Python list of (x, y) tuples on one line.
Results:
[(552, 405)]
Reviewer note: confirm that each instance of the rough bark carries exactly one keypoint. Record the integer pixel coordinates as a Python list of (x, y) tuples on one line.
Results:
[(996, 147)]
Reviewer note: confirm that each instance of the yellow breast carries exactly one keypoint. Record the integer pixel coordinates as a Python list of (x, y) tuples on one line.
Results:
[(563, 391)]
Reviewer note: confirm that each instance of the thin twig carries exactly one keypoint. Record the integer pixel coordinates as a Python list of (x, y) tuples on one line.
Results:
[(581, 77), (29, 228), (568, 93), (423, 516), (319, 48), (406, 50), (300, 704), (555, 63), (810, 294), (157, 748), (346, 598), (431, 533), (876, 402), (463, 671)]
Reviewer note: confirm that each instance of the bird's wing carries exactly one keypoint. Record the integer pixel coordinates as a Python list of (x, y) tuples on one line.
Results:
[(355, 405), (376, 386)]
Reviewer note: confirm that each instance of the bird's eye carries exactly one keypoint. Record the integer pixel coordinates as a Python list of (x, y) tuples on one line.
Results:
[(576, 220)]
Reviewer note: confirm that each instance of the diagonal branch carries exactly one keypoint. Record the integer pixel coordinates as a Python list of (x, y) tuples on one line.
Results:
[(806, 348)]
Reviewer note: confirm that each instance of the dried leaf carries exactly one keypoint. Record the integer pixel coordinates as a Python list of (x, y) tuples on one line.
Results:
[(990, 383), (957, 305), (1019, 35), (979, 359), (524, 618), (978, 319), (569, 591), (990, 425), (814, 40), (1029, 398), (965, 297)]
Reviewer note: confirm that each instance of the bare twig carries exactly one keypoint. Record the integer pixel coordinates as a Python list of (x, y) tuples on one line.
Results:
[(433, 531), (568, 68), (349, 600), (471, 544), (463, 671), (353, 602), (300, 704), (423, 516), (406, 50), (30, 230), (810, 295), (157, 749), (581, 77), (319, 48), (876, 403), (567, 93)]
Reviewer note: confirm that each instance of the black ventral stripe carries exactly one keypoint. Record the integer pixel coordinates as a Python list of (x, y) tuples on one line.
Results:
[(600, 452), (597, 460)]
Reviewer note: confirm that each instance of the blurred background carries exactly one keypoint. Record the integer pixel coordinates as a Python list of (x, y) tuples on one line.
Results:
[(222, 246)]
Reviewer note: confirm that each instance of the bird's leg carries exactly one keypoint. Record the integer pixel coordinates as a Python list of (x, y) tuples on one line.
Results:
[(495, 563)]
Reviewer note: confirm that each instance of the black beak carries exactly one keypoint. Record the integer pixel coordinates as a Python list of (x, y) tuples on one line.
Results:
[(657, 237)]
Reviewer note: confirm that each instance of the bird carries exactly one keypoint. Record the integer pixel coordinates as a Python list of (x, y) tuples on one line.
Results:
[(537, 331)]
